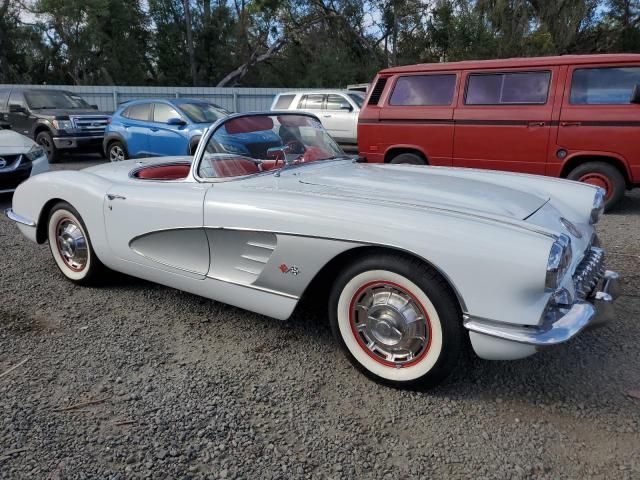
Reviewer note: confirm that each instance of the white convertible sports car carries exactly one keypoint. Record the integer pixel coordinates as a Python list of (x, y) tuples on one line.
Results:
[(412, 259)]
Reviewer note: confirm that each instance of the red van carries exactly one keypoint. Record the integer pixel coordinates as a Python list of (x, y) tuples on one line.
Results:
[(574, 117)]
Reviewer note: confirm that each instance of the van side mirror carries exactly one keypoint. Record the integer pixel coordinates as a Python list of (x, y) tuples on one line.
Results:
[(14, 108), (635, 95), (94, 106), (346, 106)]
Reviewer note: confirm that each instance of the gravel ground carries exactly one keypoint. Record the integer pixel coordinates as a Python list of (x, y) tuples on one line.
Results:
[(187, 388)]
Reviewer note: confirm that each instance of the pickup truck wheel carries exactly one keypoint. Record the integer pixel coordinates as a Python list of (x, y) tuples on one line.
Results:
[(408, 158), (397, 321), (116, 151), (45, 140), (602, 175), (71, 246)]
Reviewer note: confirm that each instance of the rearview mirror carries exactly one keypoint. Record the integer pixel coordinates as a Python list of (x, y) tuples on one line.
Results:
[(176, 121), (635, 95), (13, 108)]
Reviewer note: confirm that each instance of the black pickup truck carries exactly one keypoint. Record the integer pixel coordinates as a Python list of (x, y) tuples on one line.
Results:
[(56, 119)]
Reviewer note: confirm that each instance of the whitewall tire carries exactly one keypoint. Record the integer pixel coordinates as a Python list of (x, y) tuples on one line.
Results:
[(397, 320), (71, 246)]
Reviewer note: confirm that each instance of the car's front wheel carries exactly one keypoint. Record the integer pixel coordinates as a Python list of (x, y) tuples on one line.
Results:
[(397, 320), (71, 246), (116, 151)]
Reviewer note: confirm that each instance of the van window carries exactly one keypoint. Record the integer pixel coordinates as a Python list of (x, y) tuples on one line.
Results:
[(311, 102), (603, 86), (283, 102), (508, 88), (424, 90)]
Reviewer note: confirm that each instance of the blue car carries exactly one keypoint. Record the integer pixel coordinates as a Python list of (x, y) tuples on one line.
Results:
[(158, 127)]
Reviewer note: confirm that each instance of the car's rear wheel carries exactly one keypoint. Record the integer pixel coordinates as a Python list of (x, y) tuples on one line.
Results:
[(408, 158), (45, 140), (602, 175), (71, 246), (397, 320), (116, 151)]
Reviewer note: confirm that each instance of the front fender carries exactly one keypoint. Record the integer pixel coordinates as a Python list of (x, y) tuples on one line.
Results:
[(83, 190)]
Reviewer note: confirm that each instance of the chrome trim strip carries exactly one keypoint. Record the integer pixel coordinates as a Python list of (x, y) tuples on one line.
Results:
[(18, 218), (248, 270), (261, 245), (255, 287), (90, 137)]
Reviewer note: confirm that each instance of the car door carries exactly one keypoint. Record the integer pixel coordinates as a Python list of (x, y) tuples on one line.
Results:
[(20, 121), (418, 115), (167, 139), (337, 117), (136, 128), (503, 120), (597, 116), (158, 224)]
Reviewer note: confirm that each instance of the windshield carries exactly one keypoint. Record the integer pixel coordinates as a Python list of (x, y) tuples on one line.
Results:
[(255, 143), (358, 98), (203, 112), (54, 99)]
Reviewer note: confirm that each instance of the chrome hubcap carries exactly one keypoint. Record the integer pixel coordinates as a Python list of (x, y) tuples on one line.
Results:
[(72, 244), (116, 154), (390, 324)]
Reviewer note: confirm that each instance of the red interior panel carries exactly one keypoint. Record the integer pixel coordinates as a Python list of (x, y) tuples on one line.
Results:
[(234, 167), (164, 172)]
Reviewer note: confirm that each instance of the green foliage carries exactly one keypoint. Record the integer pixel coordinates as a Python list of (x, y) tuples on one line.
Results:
[(290, 43)]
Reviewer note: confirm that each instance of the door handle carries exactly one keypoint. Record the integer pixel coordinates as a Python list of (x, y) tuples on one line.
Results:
[(112, 196), (537, 124), (326, 116), (570, 124), (153, 129)]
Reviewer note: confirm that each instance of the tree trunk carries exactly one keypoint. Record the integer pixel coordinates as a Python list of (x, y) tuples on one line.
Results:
[(190, 46)]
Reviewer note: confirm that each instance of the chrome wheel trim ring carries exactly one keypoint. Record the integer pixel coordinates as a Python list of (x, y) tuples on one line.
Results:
[(71, 244), (116, 153), (390, 324)]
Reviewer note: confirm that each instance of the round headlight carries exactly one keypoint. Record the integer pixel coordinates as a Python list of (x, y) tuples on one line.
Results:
[(559, 261)]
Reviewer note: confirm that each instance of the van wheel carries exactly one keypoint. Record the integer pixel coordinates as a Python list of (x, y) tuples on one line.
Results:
[(602, 175), (397, 321), (45, 140), (408, 158)]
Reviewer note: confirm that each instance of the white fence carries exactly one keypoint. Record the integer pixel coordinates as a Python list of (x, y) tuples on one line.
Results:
[(107, 98)]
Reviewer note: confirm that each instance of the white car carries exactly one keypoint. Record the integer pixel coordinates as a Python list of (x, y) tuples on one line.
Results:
[(20, 158), (411, 259), (337, 110)]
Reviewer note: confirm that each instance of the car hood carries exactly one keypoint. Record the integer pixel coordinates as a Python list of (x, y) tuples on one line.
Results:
[(73, 112), (12, 142), (435, 187)]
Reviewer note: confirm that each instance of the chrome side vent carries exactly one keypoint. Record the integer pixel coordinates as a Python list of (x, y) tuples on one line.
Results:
[(376, 93), (255, 255)]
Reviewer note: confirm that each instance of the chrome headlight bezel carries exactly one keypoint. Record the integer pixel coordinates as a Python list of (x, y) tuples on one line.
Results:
[(598, 205), (34, 153), (559, 261), (63, 124)]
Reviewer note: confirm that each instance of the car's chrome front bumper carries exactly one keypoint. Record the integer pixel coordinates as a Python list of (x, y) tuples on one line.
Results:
[(597, 310), (10, 214)]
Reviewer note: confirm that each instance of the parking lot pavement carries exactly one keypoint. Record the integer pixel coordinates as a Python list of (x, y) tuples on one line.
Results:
[(135, 380)]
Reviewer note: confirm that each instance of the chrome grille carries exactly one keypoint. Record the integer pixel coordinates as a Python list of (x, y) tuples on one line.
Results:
[(589, 272), (90, 124)]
